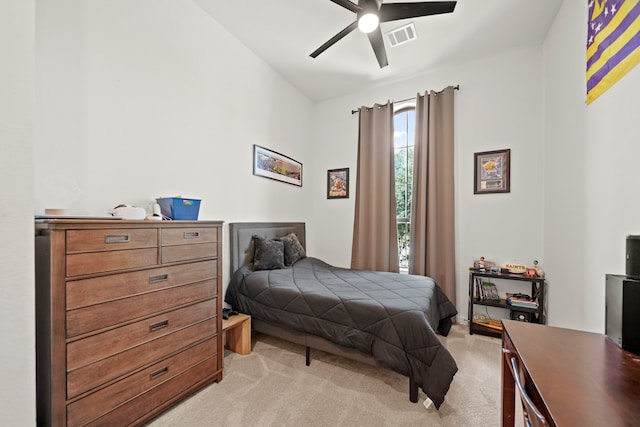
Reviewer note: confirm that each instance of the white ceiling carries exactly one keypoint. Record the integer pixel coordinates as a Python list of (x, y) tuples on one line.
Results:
[(284, 32)]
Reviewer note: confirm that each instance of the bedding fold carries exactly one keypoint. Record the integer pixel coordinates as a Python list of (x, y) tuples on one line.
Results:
[(393, 317)]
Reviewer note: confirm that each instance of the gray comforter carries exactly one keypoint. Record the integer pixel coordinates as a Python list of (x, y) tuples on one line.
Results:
[(391, 316)]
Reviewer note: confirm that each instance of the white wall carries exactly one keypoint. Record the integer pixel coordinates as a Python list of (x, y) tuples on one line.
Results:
[(17, 317), (147, 98), (153, 97), (499, 105), (591, 176)]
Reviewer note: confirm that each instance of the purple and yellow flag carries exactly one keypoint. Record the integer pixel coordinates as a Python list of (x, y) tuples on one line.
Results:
[(613, 43)]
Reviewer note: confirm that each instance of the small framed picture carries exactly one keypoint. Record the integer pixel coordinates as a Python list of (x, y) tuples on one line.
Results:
[(338, 183), (492, 172)]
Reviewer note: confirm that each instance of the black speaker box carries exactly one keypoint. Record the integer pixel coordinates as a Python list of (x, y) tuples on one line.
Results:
[(623, 311), (522, 316), (633, 257)]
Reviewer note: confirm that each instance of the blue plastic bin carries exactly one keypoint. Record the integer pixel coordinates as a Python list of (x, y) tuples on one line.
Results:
[(178, 208)]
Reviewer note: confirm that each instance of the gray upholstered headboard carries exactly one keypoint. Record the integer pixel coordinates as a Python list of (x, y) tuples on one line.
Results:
[(241, 234)]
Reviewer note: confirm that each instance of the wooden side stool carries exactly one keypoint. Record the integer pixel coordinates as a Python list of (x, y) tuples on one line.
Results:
[(237, 330)]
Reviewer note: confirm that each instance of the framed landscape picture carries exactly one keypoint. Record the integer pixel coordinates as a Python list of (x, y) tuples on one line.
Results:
[(273, 165), (338, 183), (492, 172)]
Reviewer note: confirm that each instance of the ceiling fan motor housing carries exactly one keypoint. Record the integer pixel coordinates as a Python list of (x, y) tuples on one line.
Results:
[(386, 12), (368, 6)]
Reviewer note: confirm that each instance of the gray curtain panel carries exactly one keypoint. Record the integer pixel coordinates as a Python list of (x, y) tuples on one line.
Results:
[(432, 212), (375, 237)]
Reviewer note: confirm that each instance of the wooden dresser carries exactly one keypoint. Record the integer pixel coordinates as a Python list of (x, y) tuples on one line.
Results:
[(128, 317)]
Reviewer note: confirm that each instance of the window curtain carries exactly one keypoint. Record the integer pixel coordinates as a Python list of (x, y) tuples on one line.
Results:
[(432, 213), (375, 237)]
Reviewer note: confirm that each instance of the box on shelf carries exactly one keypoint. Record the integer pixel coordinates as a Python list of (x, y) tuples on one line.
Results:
[(178, 208)]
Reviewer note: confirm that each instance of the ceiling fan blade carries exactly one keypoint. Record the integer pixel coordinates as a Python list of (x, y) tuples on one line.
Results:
[(348, 5), (377, 43), (396, 11), (334, 39)]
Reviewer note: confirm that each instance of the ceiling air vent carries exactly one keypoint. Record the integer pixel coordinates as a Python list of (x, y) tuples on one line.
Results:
[(402, 35)]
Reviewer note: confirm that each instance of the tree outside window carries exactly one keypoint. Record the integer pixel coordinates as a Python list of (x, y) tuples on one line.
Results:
[(403, 138)]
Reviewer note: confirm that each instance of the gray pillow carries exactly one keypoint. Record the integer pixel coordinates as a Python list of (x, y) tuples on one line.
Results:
[(293, 249), (268, 254)]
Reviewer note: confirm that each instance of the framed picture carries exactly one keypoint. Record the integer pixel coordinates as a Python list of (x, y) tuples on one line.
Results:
[(338, 183), (492, 172), (273, 165)]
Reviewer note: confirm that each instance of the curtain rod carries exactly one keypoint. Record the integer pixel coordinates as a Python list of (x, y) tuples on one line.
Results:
[(456, 87)]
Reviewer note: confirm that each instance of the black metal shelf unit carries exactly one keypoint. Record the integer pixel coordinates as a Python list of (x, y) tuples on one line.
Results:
[(534, 315)]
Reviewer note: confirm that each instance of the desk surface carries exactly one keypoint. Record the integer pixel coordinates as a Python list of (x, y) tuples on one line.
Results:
[(582, 378)]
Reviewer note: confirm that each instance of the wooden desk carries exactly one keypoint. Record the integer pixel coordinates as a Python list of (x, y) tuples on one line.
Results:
[(575, 378)]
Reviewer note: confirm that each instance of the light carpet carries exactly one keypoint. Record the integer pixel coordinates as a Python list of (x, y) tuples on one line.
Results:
[(273, 386)]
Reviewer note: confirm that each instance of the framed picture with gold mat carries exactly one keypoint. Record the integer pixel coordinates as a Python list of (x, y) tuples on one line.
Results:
[(492, 172)]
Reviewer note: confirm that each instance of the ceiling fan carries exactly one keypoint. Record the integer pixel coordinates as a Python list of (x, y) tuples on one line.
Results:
[(370, 13)]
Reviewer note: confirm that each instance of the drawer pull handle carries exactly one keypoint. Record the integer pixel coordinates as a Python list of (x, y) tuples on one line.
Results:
[(159, 325), (159, 278), (159, 373), (191, 234), (117, 238)]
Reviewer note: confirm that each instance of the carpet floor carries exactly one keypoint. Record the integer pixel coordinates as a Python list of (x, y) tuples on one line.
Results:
[(273, 386)]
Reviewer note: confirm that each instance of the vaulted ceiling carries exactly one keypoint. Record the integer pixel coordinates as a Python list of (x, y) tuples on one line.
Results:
[(284, 32)]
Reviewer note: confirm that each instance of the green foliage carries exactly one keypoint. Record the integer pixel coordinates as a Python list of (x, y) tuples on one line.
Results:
[(403, 162), (404, 241), (404, 181)]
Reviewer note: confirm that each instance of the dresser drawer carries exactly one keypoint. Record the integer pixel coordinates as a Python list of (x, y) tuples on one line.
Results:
[(188, 236), (134, 410), (100, 262), (96, 317), (96, 347), (85, 292), (110, 240), (85, 378), (109, 398), (189, 252)]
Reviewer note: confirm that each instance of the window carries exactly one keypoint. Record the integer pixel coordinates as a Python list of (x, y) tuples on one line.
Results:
[(404, 123)]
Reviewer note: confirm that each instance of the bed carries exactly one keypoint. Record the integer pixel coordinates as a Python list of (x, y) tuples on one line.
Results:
[(385, 319)]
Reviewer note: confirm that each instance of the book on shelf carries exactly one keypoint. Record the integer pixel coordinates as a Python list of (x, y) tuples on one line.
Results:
[(516, 305), (521, 300), (477, 289), (490, 292), (485, 291)]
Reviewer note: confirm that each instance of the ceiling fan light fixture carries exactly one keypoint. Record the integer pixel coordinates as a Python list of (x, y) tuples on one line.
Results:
[(368, 22), (369, 15)]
